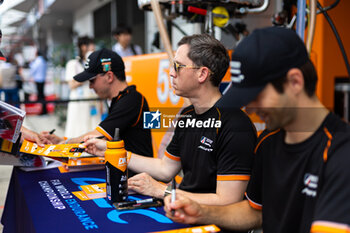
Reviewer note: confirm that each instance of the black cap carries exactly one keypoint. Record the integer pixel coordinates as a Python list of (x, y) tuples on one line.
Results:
[(265, 55), (102, 61)]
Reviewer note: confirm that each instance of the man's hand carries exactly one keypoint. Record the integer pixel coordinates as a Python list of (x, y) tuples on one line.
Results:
[(95, 146), (51, 137), (146, 185), (186, 210), (34, 137)]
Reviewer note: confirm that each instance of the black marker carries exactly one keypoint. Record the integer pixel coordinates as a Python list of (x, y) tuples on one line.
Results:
[(52, 131), (131, 203), (99, 137), (173, 194)]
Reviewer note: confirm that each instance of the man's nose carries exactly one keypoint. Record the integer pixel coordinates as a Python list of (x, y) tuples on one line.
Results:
[(172, 72)]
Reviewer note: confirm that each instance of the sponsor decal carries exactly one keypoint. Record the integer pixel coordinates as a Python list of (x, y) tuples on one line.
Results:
[(310, 182), (206, 144), (106, 64), (236, 74), (87, 64)]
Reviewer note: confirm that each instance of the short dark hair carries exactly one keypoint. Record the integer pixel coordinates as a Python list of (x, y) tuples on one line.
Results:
[(310, 79), (122, 30), (207, 51), (84, 40)]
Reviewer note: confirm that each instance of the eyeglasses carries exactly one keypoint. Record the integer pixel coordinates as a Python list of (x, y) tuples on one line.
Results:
[(177, 66), (92, 81)]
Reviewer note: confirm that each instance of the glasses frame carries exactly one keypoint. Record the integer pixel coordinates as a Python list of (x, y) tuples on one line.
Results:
[(92, 81), (177, 66)]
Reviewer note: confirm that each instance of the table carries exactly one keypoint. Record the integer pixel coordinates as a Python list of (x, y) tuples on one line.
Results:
[(42, 202)]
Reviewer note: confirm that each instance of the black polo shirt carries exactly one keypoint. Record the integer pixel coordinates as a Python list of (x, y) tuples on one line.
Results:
[(303, 187), (210, 154), (126, 113)]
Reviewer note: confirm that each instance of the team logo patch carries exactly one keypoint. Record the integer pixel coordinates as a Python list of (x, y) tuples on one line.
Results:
[(151, 120), (106, 64), (311, 184), (206, 144)]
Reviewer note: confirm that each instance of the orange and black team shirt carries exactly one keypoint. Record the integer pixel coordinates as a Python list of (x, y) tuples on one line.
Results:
[(126, 113), (303, 187), (211, 154)]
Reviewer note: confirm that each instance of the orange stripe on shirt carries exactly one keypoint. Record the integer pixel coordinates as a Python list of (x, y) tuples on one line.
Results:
[(140, 113), (232, 177), (104, 133), (172, 157), (329, 227), (266, 136), (188, 111), (253, 204), (330, 137)]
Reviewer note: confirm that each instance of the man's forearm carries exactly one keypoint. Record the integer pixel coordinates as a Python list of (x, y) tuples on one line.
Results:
[(153, 166), (79, 139), (239, 216)]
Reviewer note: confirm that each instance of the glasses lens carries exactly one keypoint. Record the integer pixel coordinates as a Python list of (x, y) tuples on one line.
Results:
[(176, 67)]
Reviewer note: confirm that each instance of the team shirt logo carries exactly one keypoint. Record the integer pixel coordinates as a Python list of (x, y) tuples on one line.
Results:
[(311, 183), (206, 144), (151, 120)]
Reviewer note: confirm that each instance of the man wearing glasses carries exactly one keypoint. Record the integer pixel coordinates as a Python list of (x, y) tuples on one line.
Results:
[(214, 151), (105, 72)]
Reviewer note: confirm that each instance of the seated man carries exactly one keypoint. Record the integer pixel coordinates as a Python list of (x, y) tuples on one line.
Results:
[(216, 160), (105, 72), (301, 172)]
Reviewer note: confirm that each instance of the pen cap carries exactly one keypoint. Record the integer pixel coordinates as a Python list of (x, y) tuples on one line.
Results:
[(116, 135)]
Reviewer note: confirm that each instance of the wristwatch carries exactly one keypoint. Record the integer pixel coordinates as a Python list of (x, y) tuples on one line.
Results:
[(168, 190)]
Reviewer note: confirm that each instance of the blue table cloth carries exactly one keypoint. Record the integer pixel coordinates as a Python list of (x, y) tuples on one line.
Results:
[(42, 202)]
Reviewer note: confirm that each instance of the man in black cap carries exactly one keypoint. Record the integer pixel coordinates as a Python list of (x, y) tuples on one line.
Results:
[(104, 70), (300, 180)]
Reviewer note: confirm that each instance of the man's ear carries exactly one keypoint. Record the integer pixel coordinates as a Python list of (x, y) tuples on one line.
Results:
[(204, 74), (295, 79), (110, 76)]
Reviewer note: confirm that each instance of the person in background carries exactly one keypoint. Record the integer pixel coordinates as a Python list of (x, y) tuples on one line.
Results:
[(38, 68), (8, 82), (216, 160), (124, 47), (82, 116), (105, 72), (300, 180)]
